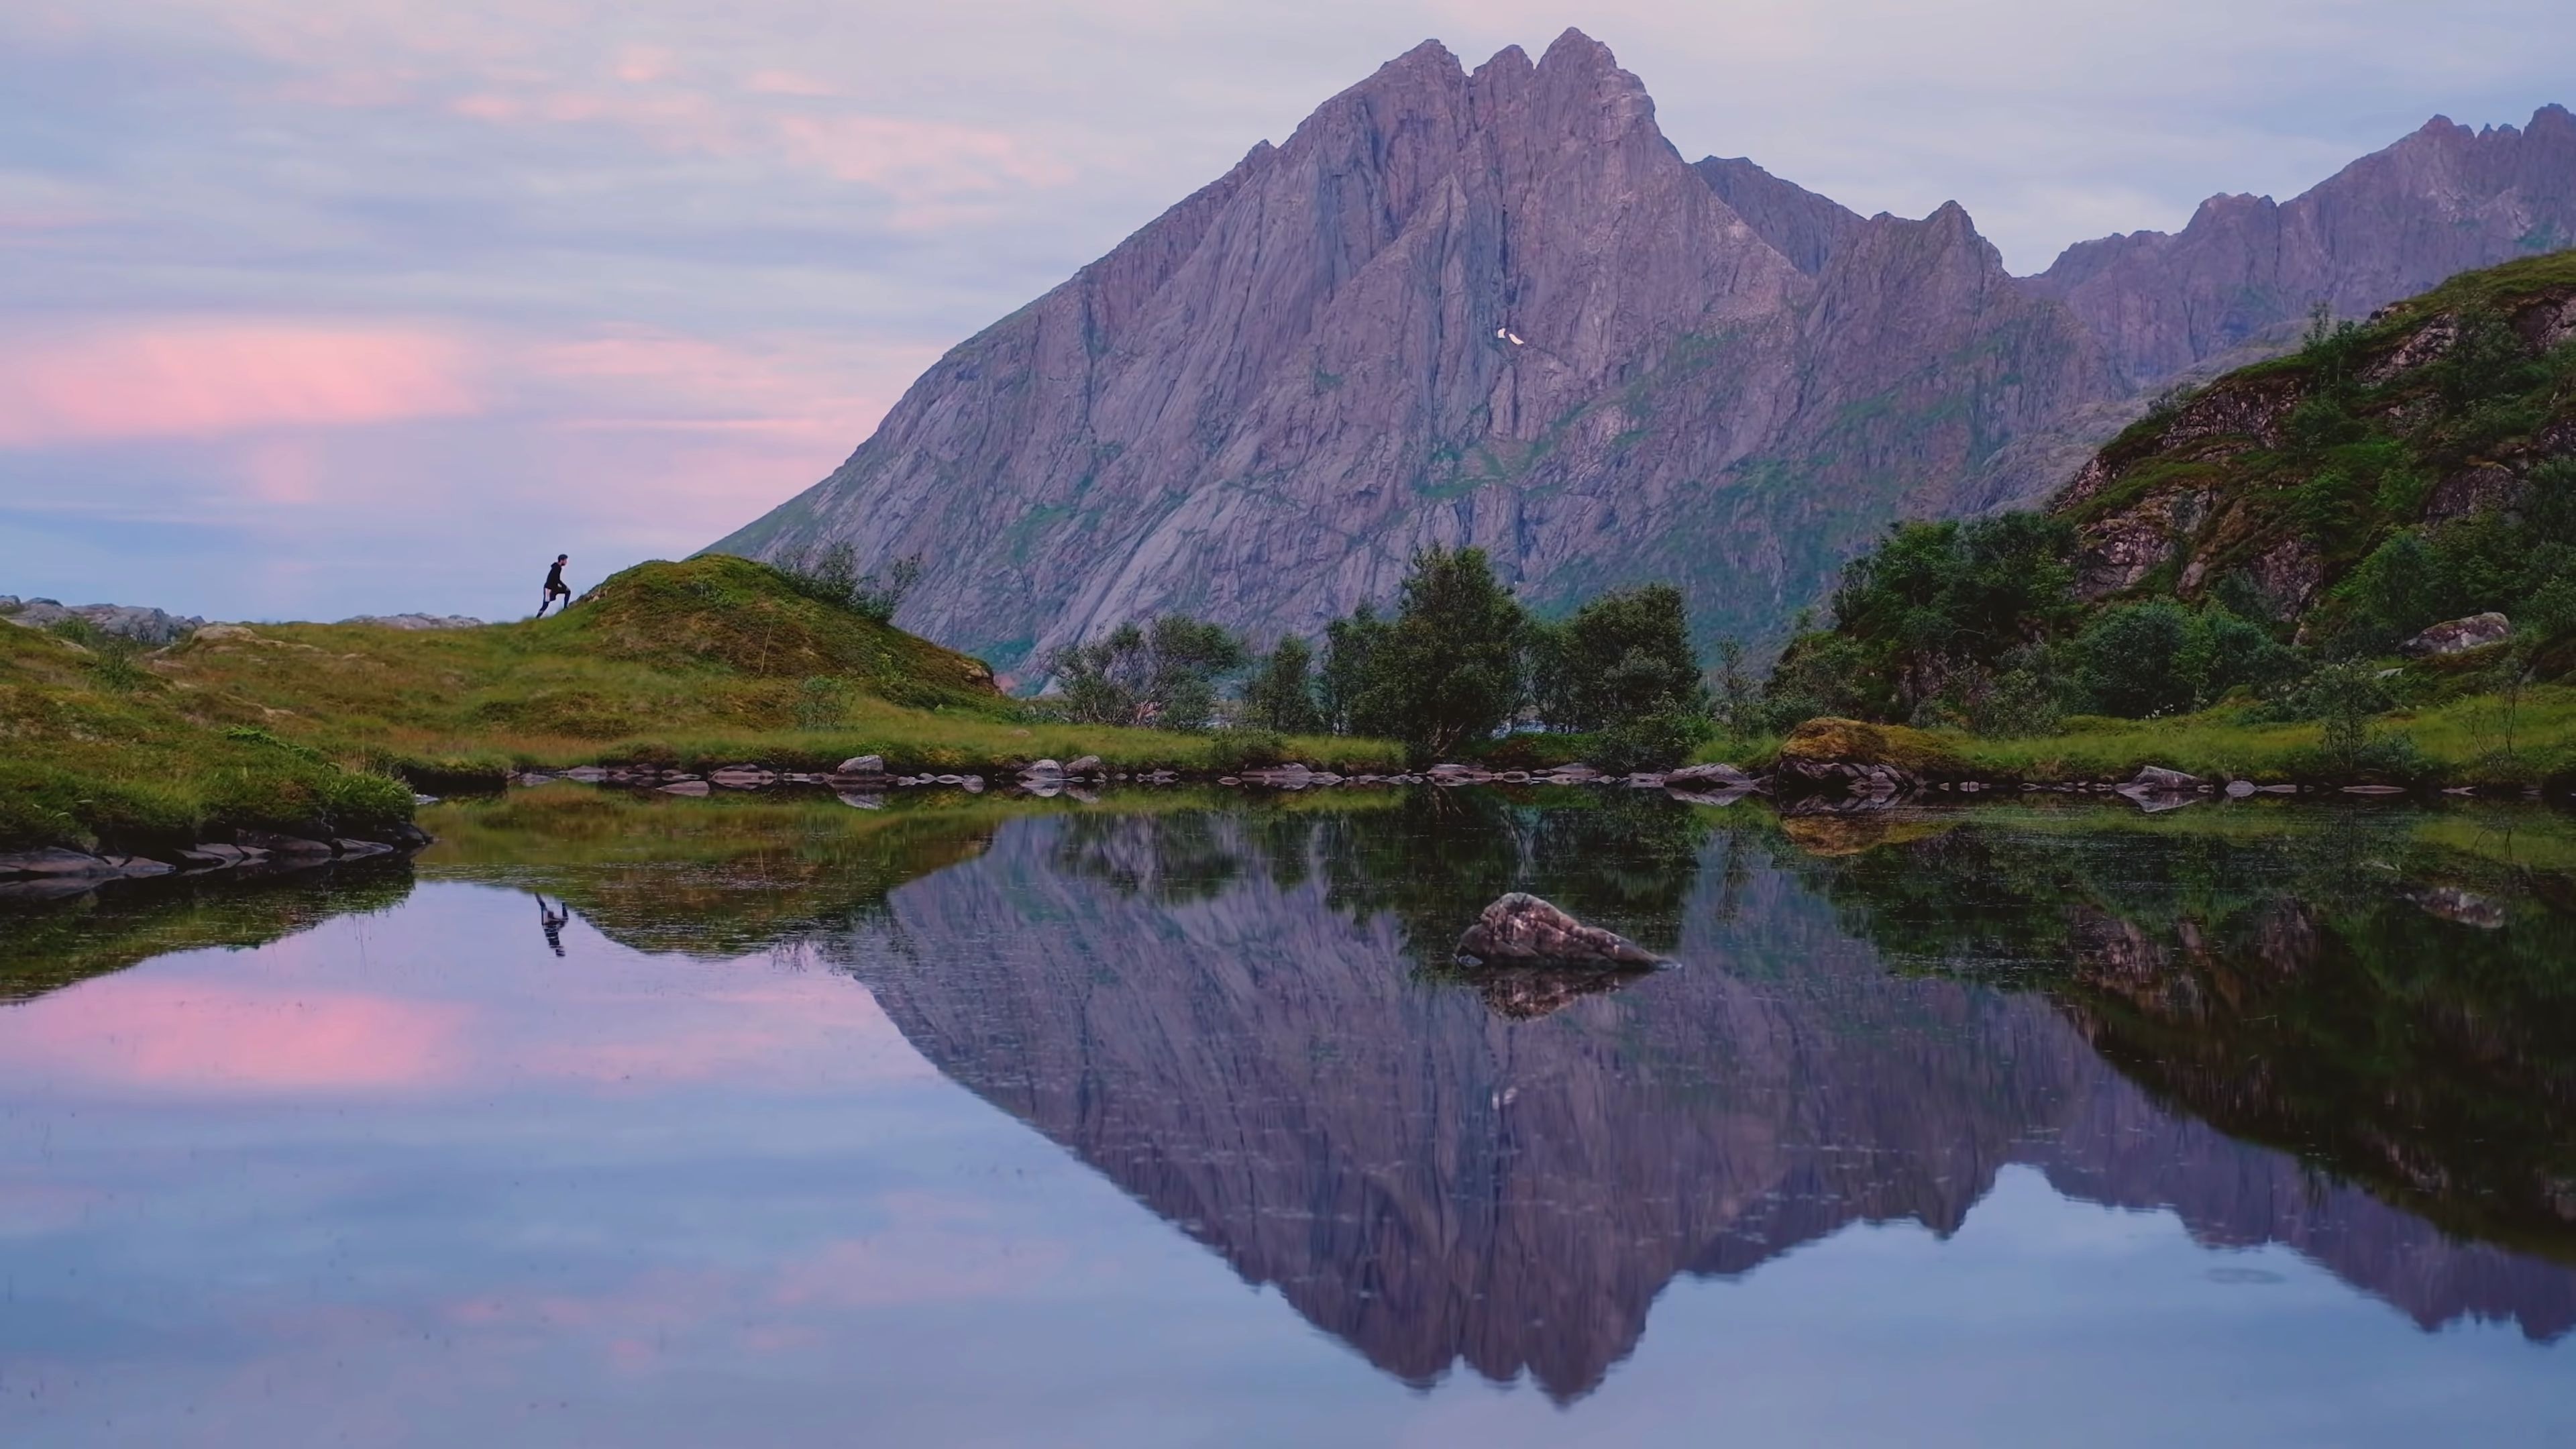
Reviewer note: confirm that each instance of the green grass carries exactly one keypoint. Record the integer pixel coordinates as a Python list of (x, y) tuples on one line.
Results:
[(2461, 742), (94, 756), (698, 663), (706, 662)]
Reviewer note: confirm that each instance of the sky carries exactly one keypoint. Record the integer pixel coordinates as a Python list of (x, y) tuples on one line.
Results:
[(311, 308)]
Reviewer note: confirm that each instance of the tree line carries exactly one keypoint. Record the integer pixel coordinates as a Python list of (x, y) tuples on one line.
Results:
[(1455, 661)]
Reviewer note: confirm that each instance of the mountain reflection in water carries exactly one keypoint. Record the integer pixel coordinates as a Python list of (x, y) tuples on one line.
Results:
[(1224, 1016), (2352, 1035)]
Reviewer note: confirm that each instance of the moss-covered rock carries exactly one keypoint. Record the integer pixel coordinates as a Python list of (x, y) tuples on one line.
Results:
[(1826, 747)]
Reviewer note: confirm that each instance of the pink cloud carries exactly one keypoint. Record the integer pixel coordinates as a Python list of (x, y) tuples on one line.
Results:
[(181, 379), (200, 1036), (787, 83)]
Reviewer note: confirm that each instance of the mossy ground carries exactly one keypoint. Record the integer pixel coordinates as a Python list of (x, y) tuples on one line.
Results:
[(97, 753)]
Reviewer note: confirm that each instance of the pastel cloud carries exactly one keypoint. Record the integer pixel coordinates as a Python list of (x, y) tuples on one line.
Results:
[(162, 379)]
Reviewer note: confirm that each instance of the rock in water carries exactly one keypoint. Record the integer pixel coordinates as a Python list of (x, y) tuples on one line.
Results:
[(1522, 930)]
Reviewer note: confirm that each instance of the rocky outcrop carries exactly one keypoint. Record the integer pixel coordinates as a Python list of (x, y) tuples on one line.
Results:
[(126, 621), (2458, 636), (415, 621)]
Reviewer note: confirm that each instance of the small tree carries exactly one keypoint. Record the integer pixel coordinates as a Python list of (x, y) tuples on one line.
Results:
[(1447, 669), (1350, 647), (1163, 675), (1280, 696)]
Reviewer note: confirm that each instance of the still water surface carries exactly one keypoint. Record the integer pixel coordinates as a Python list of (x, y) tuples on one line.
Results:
[(746, 1122)]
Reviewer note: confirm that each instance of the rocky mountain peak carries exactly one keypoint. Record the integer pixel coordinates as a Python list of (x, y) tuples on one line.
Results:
[(1497, 308)]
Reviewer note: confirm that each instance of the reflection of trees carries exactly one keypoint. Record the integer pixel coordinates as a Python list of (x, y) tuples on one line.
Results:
[(45, 947), (2394, 1013), (1431, 860)]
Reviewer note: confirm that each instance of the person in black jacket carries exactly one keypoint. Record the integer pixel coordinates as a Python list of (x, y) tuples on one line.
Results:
[(555, 587)]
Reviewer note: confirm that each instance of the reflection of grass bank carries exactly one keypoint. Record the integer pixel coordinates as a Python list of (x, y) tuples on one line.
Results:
[(735, 873), (46, 947), (2389, 993)]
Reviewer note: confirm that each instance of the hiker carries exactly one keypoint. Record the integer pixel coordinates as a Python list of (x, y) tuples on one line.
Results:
[(555, 588)]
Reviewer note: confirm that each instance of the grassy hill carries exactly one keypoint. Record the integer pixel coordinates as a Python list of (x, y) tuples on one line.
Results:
[(2242, 575), (300, 727)]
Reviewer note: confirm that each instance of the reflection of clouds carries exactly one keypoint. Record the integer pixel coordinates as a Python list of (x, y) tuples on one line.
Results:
[(290, 1017), (139, 1031), (931, 1248)]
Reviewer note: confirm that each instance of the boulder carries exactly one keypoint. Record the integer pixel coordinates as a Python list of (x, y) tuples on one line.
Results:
[(1042, 769), (1844, 754), (52, 862), (2458, 636), (2239, 789), (862, 765), (859, 800), (360, 849), (2156, 779), (1087, 765), (1521, 930), (1696, 775), (685, 787)]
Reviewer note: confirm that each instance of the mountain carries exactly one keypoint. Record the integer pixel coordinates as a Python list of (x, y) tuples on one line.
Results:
[(2442, 201), (1498, 308)]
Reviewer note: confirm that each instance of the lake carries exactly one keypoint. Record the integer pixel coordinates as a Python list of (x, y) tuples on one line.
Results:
[(1170, 1119)]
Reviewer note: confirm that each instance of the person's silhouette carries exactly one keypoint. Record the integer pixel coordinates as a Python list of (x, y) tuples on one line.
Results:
[(553, 922), (555, 586)]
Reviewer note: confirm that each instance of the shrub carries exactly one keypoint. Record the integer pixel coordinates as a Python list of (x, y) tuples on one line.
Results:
[(831, 575), (1163, 676), (1654, 741)]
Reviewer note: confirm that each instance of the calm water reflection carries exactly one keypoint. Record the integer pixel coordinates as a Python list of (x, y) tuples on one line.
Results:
[(676, 1123)]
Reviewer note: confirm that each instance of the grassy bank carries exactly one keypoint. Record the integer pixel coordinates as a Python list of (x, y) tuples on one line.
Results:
[(97, 749), (305, 727), (705, 662), (2478, 740)]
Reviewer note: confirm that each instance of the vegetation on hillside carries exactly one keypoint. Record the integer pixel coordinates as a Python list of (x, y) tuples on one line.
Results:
[(2251, 557)]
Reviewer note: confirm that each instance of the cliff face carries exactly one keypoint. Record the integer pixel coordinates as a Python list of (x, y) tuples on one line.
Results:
[(1199, 1009), (1497, 308)]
